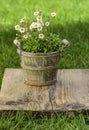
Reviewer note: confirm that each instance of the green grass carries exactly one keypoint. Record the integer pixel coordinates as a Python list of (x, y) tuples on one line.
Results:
[(72, 23), (27, 121)]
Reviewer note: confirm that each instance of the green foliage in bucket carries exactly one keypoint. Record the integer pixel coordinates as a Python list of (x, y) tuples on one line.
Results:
[(37, 36)]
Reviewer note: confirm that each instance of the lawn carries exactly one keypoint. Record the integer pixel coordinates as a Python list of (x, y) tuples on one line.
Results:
[(26, 121), (72, 23)]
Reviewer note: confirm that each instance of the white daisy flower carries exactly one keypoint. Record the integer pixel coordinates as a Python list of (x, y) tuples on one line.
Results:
[(39, 28), (53, 14), (16, 34), (39, 19), (41, 36), (33, 26), (36, 13), (17, 27), (46, 24), (30, 28), (25, 36), (22, 30), (22, 20)]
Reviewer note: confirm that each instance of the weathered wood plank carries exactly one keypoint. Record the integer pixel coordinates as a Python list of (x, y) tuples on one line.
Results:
[(71, 92)]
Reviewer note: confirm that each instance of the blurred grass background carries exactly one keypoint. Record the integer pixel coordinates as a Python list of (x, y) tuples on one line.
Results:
[(72, 23)]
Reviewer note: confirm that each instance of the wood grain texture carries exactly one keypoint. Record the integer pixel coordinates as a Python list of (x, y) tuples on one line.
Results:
[(71, 92)]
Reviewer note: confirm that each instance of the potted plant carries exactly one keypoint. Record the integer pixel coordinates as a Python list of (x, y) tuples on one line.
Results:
[(39, 49)]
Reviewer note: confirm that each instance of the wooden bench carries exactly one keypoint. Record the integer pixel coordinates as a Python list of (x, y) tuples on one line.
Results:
[(71, 92)]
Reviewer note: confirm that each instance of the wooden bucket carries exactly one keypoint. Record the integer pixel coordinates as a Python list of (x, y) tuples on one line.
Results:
[(40, 69)]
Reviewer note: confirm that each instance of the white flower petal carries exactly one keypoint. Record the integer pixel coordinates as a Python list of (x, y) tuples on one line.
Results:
[(53, 14), (17, 27), (39, 28), (39, 19), (36, 13), (25, 36), (22, 30), (22, 20), (41, 36), (46, 24)]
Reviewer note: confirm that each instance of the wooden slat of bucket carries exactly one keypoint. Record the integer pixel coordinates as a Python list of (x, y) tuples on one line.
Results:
[(40, 54), (41, 78), (39, 68), (38, 84)]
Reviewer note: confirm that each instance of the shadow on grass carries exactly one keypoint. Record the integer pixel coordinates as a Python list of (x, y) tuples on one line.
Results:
[(77, 55), (77, 31), (8, 55)]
